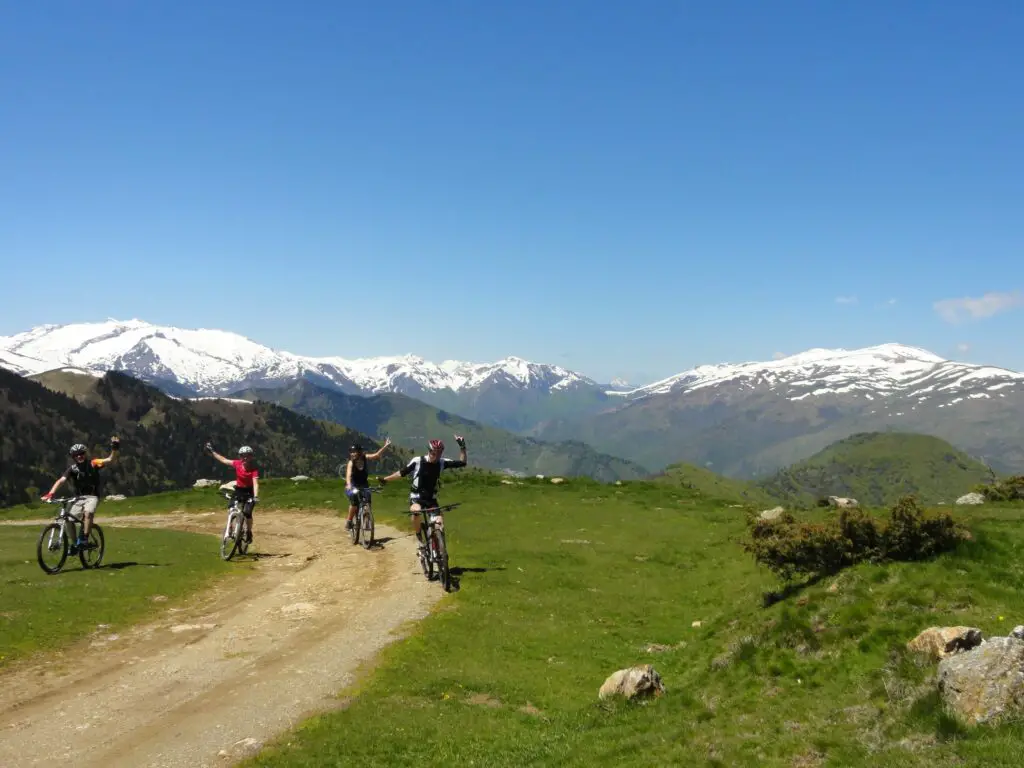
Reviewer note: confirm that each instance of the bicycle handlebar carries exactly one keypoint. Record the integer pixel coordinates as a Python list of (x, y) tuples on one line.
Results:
[(62, 499), (434, 510)]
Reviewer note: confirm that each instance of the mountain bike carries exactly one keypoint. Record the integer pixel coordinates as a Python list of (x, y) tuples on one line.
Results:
[(234, 532), (58, 539), (435, 553), (362, 523)]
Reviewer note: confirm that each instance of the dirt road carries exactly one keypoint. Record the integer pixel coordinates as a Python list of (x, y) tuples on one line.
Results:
[(207, 683)]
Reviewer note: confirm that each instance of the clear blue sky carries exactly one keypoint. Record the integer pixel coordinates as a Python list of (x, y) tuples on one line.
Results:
[(626, 189)]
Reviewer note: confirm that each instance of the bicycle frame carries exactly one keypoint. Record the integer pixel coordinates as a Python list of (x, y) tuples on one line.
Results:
[(65, 515)]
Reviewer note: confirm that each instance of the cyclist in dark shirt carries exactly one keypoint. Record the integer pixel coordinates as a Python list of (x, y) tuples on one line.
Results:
[(357, 475), (84, 474), (426, 474)]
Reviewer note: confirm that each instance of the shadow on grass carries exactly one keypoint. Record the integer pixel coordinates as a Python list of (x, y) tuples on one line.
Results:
[(772, 597), (457, 572), (129, 564)]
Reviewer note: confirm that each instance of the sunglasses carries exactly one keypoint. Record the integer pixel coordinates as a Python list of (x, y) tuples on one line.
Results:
[(78, 455)]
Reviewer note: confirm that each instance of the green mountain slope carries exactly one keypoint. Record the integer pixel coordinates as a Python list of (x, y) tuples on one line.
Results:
[(713, 486), (876, 468), (162, 437), (411, 423)]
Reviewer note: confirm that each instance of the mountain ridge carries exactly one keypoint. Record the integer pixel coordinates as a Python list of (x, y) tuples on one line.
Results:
[(410, 423)]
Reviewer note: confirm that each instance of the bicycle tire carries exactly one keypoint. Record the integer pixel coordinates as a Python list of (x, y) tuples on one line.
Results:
[(95, 534), (366, 513), (357, 522), (64, 546), (241, 542), (229, 542), (443, 574), (423, 553)]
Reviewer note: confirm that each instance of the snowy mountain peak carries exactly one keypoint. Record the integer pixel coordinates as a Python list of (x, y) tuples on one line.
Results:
[(214, 362)]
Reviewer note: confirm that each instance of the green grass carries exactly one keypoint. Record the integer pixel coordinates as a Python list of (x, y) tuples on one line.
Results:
[(715, 487), (562, 585), (42, 613)]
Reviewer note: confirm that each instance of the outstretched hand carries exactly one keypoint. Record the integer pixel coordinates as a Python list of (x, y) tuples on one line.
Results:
[(461, 441)]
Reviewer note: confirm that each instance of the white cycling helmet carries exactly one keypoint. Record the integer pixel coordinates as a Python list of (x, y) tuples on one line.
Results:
[(245, 450), (77, 448)]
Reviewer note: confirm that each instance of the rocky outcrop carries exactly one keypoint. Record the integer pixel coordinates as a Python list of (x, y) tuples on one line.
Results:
[(205, 483), (940, 642), (634, 682), (971, 498), (841, 502), (985, 685), (772, 514)]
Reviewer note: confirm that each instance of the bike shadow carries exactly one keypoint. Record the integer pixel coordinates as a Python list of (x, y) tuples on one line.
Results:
[(456, 573), (129, 564)]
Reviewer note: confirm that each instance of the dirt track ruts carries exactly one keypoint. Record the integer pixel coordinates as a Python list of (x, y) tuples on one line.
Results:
[(246, 659)]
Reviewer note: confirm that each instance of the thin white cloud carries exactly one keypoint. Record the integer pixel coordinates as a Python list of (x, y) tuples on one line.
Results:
[(963, 348), (974, 308), (846, 299), (891, 302), (779, 355)]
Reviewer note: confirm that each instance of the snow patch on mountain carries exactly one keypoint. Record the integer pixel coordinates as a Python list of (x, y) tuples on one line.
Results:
[(23, 365)]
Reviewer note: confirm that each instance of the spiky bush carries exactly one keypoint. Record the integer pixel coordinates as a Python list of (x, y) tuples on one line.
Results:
[(793, 548)]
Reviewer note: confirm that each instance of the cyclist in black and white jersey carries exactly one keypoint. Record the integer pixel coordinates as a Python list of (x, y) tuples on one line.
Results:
[(426, 474)]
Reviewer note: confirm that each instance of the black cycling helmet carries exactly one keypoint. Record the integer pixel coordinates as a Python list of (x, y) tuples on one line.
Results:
[(357, 447)]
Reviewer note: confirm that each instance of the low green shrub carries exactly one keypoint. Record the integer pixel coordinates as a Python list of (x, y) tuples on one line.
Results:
[(793, 548), (1010, 489)]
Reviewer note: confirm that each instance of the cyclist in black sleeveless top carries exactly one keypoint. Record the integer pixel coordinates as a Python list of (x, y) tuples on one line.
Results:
[(426, 475), (357, 475)]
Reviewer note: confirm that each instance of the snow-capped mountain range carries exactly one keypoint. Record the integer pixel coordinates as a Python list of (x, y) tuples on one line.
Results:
[(742, 418), (874, 372), (213, 362)]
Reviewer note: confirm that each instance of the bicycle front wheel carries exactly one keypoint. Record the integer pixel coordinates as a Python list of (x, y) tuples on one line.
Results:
[(441, 551), (229, 543), (52, 548), (93, 556), (367, 526)]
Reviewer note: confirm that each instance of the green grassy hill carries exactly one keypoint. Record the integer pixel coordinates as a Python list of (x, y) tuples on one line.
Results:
[(714, 486), (410, 423), (162, 437), (559, 586), (876, 468)]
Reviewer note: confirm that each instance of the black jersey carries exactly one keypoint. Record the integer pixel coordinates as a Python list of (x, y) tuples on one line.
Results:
[(85, 478), (426, 474)]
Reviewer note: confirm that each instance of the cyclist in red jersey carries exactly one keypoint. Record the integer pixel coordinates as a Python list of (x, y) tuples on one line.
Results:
[(246, 485)]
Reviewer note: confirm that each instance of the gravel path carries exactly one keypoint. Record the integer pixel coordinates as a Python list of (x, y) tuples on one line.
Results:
[(209, 682)]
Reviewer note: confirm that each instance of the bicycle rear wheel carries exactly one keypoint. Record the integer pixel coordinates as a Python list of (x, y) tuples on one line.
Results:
[(93, 556), (366, 513), (52, 548)]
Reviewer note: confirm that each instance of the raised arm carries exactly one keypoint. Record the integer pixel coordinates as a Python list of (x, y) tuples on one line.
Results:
[(379, 452), (218, 457), (115, 446), (462, 449)]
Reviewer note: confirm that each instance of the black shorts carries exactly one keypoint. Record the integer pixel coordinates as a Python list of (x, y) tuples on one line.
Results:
[(424, 502), (243, 495)]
